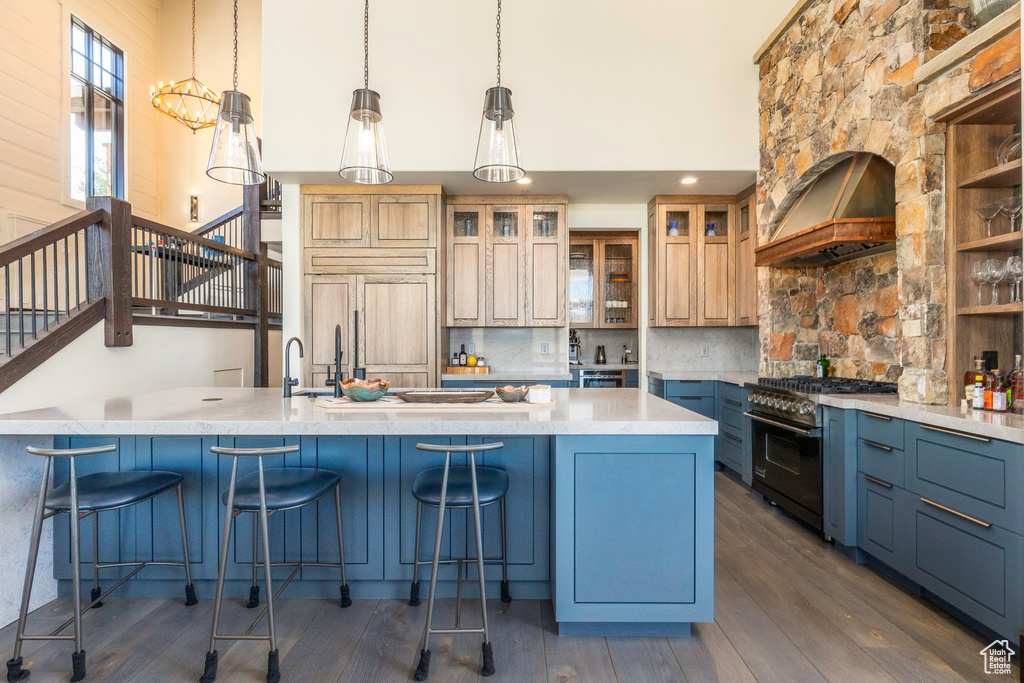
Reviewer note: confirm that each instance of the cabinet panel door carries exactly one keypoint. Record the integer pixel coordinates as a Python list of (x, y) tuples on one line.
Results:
[(716, 242), (678, 284), (504, 286), (465, 285), (883, 513), (746, 272), (330, 300), (546, 297), (397, 320), (715, 291), (336, 220), (583, 293), (405, 221)]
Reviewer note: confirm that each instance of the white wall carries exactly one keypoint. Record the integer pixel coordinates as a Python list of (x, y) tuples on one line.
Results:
[(598, 84)]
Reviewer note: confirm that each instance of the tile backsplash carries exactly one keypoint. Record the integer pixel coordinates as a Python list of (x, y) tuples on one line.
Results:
[(678, 348), (613, 341), (514, 348)]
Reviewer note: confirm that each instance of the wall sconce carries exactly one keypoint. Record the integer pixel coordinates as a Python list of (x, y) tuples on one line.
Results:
[(193, 208)]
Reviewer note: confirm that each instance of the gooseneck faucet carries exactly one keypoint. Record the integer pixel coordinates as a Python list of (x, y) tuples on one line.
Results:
[(288, 381), (336, 381)]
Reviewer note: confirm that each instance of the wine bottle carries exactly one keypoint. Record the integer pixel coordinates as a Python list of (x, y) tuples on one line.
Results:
[(463, 357)]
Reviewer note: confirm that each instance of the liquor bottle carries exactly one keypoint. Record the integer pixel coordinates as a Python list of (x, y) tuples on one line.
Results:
[(1018, 369), (821, 367), (978, 395), (463, 357), (999, 396), (991, 387), (1017, 390), (969, 380)]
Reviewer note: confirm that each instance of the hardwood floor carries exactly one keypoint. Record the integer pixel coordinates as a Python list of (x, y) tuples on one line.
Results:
[(788, 607)]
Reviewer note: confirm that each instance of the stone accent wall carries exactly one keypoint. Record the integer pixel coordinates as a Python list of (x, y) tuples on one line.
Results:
[(841, 81)]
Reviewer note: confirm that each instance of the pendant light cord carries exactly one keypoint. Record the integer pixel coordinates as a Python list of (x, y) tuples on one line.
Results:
[(193, 39), (498, 32), (366, 45), (234, 81)]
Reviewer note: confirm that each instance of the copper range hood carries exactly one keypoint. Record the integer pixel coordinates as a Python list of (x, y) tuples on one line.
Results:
[(846, 213)]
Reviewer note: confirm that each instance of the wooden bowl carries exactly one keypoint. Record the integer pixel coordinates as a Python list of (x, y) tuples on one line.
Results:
[(365, 390), (510, 394)]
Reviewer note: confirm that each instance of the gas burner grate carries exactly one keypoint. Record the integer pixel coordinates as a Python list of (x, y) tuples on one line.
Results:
[(831, 385)]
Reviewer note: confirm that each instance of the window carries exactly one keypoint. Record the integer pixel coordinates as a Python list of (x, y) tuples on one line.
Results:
[(97, 115)]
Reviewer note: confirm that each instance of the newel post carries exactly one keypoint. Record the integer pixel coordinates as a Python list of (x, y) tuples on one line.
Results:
[(255, 281), (108, 254)]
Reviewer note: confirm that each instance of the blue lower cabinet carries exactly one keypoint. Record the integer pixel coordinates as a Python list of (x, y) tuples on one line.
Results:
[(703, 405), (974, 567), (632, 379), (656, 386), (491, 383), (634, 530), (527, 461), (839, 475), (729, 450), (882, 530)]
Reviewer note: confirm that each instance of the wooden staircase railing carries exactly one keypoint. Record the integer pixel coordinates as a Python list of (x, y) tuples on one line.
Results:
[(105, 264), (262, 200)]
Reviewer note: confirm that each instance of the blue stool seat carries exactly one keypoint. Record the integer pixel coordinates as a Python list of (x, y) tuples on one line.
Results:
[(491, 483), (109, 490), (287, 487)]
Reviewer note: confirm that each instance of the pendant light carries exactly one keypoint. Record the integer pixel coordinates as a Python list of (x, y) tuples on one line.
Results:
[(235, 155), (188, 102), (497, 151), (364, 158)]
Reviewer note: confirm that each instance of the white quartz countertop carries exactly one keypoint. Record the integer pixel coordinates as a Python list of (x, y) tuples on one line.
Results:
[(1005, 426), (263, 412), (510, 376), (739, 377)]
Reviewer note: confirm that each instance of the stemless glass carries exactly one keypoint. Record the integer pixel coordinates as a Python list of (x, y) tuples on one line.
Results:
[(995, 274), (1010, 207), (988, 212), (978, 277)]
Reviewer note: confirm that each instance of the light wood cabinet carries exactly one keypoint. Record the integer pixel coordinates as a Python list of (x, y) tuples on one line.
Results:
[(746, 272), (603, 273), (505, 262), (375, 253), (694, 276)]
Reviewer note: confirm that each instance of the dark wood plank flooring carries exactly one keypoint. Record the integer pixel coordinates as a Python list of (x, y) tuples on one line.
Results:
[(788, 607)]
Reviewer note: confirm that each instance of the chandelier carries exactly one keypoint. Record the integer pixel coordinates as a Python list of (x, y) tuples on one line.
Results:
[(189, 101)]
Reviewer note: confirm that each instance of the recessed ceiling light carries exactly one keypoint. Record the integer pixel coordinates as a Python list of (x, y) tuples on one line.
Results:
[(524, 181), (688, 181)]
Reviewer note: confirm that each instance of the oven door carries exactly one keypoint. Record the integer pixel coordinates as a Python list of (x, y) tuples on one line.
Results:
[(787, 466), (602, 379)]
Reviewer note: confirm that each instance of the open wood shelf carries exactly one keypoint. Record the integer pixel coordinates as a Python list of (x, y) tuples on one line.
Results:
[(998, 309), (1009, 241), (1004, 175)]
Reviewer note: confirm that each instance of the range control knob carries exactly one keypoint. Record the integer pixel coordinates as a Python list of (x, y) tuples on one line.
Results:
[(806, 408), (788, 406)]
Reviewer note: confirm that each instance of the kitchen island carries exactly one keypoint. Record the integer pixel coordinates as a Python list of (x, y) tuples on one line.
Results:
[(610, 505)]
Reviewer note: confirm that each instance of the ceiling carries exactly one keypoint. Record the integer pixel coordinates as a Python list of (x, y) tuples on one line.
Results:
[(583, 187)]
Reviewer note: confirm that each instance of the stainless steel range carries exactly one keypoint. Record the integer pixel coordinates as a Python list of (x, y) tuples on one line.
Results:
[(787, 439)]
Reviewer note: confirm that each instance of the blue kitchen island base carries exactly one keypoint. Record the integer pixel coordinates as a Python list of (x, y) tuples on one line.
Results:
[(617, 530)]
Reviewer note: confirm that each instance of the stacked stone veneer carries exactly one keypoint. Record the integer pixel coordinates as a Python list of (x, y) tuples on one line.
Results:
[(841, 80)]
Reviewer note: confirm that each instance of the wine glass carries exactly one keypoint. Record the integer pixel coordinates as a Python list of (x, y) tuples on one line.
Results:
[(1014, 272), (995, 274), (1010, 207), (988, 212), (1009, 150), (978, 277)]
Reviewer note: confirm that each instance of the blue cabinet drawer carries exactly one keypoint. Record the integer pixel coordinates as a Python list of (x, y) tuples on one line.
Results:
[(730, 417), (737, 395), (880, 460), (880, 429), (656, 386), (689, 388), (705, 405), (730, 451), (882, 512), (737, 434), (975, 568), (491, 383), (976, 475)]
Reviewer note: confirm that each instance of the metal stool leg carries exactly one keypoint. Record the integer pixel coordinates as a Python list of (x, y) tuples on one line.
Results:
[(414, 591), (346, 597), (14, 671), (506, 596), (423, 668), (273, 667), (488, 655), (96, 592), (190, 589), (78, 656), (210, 670), (254, 589)]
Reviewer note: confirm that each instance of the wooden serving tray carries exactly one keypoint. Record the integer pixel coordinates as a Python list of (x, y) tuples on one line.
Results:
[(392, 403), (468, 369)]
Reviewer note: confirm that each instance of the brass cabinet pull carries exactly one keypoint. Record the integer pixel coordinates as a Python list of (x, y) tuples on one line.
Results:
[(956, 433), (876, 415), (879, 481), (979, 522), (875, 444)]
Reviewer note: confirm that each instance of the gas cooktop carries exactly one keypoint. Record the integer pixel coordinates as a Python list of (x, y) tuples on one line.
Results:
[(806, 384)]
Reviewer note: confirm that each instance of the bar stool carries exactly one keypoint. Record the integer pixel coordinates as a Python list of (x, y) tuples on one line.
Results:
[(265, 493), (80, 498), (459, 487)]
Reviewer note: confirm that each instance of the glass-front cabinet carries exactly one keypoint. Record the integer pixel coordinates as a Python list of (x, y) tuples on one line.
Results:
[(603, 268), (466, 258)]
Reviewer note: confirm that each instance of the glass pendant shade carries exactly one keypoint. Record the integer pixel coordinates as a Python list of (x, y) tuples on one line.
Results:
[(235, 155), (365, 157), (497, 151)]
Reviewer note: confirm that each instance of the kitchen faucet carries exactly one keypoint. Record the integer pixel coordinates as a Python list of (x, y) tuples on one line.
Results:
[(288, 381), (336, 382), (625, 355)]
